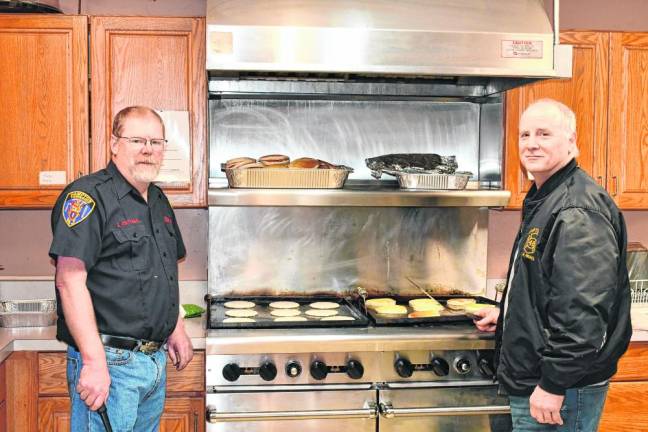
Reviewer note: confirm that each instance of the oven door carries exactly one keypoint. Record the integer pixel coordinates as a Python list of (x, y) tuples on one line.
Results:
[(293, 408), (447, 407)]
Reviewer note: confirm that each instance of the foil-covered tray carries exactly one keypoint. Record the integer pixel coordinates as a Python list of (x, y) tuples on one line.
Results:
[(287, 178), (27, 313), (430, 181)]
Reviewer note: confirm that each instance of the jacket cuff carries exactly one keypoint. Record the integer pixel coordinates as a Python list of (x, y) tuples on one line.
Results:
[(550, 387)]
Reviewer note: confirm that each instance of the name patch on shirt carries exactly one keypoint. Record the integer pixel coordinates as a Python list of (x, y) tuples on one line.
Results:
[(77, 207), (167, 220), (531, 243)]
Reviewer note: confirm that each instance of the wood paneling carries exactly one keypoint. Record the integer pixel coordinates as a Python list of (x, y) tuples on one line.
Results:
[(54, 414), (625, 408), (633, 366), (190, 379), (22, 385), (44, 109), (586, 93), (158, 62), (628, 107), (52, 374), (183, 415)]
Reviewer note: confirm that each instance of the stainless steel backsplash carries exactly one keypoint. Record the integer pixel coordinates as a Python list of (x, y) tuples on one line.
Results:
[(348, 131), (304, 250)]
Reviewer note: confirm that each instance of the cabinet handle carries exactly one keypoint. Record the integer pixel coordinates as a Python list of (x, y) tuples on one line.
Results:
[(599, 179), (79, 174), (195, 421), (616, 185)]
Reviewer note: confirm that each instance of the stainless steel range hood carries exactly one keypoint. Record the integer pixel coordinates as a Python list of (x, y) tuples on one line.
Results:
[(482, 46)]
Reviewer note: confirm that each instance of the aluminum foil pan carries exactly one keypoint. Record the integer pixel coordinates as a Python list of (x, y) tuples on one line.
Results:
[(287, 178), (431, 181), (27, 313)]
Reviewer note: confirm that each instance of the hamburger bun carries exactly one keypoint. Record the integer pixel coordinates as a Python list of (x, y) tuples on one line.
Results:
[(472, 308), (239, 162), (459, 303), (377, 302), (305, 162), (326, 165), (392, 310), (275, 161)]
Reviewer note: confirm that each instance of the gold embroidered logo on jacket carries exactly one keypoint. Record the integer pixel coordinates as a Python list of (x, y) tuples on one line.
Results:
[(529, 248)]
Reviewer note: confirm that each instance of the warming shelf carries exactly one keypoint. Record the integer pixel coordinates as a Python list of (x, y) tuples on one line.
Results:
[(355, 196)]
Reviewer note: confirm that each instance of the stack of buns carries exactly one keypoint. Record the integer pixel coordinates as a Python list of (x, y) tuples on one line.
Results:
[(278, 161)]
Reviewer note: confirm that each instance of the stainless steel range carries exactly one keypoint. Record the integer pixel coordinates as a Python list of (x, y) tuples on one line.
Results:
[(360, 379)]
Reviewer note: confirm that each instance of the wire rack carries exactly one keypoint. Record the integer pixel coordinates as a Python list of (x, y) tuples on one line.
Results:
[(639, 291)]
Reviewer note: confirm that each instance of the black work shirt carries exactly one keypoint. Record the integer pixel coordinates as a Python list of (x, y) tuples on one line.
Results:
[(130, 248)]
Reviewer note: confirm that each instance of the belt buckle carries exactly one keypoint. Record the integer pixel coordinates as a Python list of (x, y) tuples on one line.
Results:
[(148, 347)]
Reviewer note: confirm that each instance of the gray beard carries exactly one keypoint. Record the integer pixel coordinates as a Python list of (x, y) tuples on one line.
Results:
[(146, 175)]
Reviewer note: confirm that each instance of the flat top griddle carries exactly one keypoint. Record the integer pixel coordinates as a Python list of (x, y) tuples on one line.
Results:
[(216, 313), (402, 320)]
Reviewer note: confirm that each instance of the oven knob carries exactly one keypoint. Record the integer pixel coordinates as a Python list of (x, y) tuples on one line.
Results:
[(463, 366), (318, 370), (355, 370), (440, 366), (231, 372), (293, 369), (404, 368), (268, 371), (486, 366)]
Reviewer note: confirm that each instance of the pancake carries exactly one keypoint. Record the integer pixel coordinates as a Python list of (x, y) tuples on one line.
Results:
[(239, 320), (376, 302), (321, 312), (324, 305), (392, 310), (284, 305), (338, 318), (291, 318), (423, 301), (239, 304), (285, 312), (240, 313), (459, 303)]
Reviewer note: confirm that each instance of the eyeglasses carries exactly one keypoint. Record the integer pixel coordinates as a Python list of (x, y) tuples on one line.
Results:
[(156, 143)]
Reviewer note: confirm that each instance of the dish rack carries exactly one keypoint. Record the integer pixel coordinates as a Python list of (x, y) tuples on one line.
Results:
[(27, 313), (639, 291)]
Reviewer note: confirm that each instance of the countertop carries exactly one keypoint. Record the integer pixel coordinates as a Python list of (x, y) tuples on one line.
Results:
[(44, 338)]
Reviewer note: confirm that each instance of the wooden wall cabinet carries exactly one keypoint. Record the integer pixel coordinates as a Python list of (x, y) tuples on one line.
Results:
[(44, 108), (39, 397), (3, 398), (607, 94), (158, 62), (625, 407)]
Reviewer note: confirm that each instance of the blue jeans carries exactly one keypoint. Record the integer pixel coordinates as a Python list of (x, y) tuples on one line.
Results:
[(581, 411), (136, 397)]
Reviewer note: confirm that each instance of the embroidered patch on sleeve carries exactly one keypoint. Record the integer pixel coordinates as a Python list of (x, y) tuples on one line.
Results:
[(77, 207)]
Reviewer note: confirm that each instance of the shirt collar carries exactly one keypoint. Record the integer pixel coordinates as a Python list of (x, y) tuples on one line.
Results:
[(551, 184), (123, 187)]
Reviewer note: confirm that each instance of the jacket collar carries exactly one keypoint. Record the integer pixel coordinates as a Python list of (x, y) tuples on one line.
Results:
[(535, 195), (122, 186)]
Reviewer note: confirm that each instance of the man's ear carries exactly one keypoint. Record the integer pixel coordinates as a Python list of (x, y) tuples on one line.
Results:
[(114, 145)]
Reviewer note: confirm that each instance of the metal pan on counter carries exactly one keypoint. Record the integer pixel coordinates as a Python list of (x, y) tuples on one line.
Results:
[(264, 312), (430, 181)]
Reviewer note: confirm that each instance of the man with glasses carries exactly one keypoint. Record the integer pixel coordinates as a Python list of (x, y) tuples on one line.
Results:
[(116, 245)]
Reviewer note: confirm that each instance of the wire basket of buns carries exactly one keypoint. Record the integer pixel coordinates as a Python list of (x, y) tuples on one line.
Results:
[(279, 172)]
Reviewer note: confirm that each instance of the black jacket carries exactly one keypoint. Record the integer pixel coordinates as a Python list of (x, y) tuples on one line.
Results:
[(567, 321)]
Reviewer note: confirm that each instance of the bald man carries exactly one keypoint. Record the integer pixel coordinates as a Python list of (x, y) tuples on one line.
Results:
[(566, 307)]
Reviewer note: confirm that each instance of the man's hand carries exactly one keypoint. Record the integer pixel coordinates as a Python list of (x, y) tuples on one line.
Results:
[(488, 321), (180, 348), (545, 406), (94, 384)]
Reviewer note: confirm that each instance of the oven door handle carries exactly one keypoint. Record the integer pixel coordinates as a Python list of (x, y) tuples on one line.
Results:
[(216, 417), (387, 410)]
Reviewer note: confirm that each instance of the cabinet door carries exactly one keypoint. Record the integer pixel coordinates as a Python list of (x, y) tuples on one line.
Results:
[(157, 62), (628, 112), (54, 414), (625, 408), (183, 415), (44, 108), (585, 93)]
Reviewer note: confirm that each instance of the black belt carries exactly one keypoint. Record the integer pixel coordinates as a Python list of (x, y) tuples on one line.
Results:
[(142, 345)]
